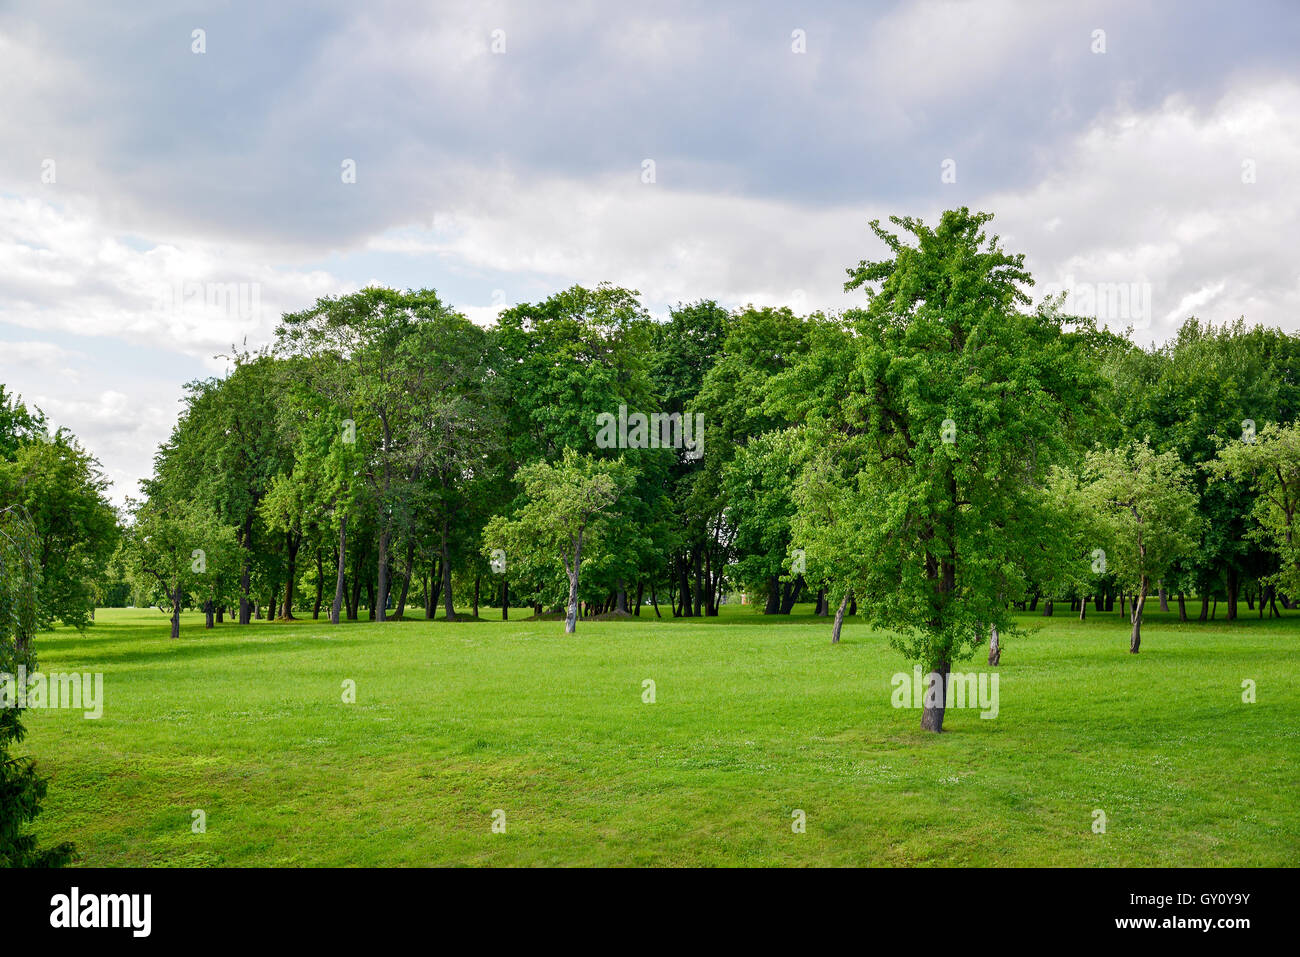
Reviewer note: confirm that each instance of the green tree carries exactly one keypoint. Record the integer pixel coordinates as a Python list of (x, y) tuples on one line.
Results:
[(963, 400), (1269, 462), (567, 508), (1147, 505), (174, 550), (21, 788), (63, 491)]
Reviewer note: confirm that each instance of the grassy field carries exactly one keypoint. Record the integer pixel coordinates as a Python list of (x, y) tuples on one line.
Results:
[(753, 720)]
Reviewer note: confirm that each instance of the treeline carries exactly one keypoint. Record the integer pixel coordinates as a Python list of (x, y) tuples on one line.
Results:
[(947, 449)]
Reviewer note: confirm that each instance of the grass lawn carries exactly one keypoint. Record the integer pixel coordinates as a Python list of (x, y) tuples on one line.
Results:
[(754, 719)]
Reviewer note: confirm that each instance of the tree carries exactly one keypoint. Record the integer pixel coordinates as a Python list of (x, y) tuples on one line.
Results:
[(566, 509), (62, 490), (174, 550), (962, 400), (1146, 503), (1269, 461), (21, 788)]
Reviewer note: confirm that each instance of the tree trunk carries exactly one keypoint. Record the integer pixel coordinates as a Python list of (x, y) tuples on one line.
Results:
[(935, 698), (654, 600), (1047, 608), (505, 600), (477, 580), (320, 585), (571, 613), (291, 544), (995, 647), (839, 619), (1083, 608), (1164, 597), (1139, 600), (773, 595), (640, 596), (379, 607), (620, 598), (400, 611), (339, 583), (448, 607), (791, 596), (177, 595), (1182, 607), (823, 606), (1205, 607), (1234, 591), (207, 613)]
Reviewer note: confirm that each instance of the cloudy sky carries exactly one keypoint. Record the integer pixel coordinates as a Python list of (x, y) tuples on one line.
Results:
[(175, 175)]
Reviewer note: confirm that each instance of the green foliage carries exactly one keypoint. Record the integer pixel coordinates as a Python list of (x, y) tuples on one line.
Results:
[(956, 406), (21, 789), (1269, 462), (61, 488), (1146, 507)]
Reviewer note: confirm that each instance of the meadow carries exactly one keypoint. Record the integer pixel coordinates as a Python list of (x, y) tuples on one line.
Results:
[(753, 720)]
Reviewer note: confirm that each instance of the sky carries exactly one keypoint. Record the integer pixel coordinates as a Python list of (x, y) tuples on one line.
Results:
[(175, 176)]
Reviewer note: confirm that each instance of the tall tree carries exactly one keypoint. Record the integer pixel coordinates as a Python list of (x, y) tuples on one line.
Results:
[(963, 399)]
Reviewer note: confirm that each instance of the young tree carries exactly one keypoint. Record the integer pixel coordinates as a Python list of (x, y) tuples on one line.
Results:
[(175, 549), (21, 788), (565, 512), (1147, 505)]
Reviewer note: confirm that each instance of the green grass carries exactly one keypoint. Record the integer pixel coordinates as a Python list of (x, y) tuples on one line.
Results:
[(754, 718)]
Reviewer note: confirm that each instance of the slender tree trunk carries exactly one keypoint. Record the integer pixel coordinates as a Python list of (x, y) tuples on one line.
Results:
[(620, 598), (1182, 607), (400, 612), (995, 647), (773, 595), (1047, 608), (292, 542), (1139, 600), (380, 612), (839, 619), (1083, 608), (1234, 591), (505, 600), (320, 584), (654, 600), (339, 583), (447, 597), (640, 596), (571, 613), (1164, 597), (477, 580), (207, 613), (1205, 607)]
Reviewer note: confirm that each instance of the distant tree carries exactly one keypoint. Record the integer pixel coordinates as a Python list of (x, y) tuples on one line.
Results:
[(175, 550), (21, 788), (566, 509), (1146, 503), (1269, 462)]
